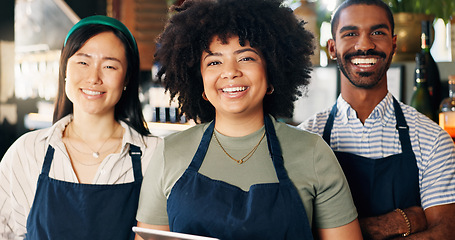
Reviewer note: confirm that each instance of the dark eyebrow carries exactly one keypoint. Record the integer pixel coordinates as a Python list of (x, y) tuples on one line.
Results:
[(112, 59), (372, 28), (378, 26), (246, 50), (236, 52), (209, 53), (348, 28)]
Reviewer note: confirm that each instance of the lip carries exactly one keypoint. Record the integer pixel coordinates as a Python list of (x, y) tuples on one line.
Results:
[(90, 93), (234, 91), (364, 63)]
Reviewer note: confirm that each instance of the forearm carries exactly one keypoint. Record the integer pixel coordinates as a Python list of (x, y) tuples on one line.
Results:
[(441, 223), (393, 224), (434, 233)]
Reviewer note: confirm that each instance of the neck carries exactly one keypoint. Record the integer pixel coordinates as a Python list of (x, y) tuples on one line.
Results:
[(93, 127), (238, 126), (363, 101)]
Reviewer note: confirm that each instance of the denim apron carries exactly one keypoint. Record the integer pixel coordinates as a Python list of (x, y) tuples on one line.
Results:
[(65, 210), (203, 206), (379, 186)]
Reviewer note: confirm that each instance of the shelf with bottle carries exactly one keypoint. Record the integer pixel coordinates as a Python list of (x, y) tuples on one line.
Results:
[(421, 98), (447, 110), (432, 71)]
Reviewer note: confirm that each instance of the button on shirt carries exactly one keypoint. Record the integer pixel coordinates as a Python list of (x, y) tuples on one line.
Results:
[(378, 138), (22, 163)]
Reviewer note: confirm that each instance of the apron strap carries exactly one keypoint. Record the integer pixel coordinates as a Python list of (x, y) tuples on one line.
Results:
[(135, 154), (48, 160), (402, 127), (275, 150), (328, 126), (202, 149)]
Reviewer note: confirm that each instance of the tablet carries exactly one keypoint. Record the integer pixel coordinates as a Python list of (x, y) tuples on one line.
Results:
[(152, 234)]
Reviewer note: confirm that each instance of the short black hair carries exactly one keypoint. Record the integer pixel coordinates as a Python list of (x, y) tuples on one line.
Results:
[(128, 108), (336, 15), (266, 24)]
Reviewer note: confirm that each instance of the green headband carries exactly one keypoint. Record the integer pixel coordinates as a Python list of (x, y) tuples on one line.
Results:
[(104, 20)]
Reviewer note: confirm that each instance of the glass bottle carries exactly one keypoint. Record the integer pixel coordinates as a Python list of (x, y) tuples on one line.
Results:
[(307, 12), (447, 110), (421, 98), (433, 78)]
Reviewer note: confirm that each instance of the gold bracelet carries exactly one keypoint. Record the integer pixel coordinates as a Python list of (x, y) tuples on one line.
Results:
[(408, 223)]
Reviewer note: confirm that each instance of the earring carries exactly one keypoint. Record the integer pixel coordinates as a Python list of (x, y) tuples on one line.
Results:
[(270, 90), (204, 96), (124, 88), (333, 58), (66, 79)]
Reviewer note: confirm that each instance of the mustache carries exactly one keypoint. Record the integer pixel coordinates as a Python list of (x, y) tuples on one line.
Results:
[(365, 53)]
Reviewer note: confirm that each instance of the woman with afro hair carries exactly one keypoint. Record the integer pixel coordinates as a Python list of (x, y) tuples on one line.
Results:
[(235, 66)]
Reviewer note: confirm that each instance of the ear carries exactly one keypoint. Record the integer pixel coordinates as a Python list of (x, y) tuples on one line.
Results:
[(331, 47), (394, 43)]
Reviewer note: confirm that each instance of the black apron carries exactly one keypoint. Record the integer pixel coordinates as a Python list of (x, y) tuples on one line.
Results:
[(66, 210), (203, 206), (379, 186)]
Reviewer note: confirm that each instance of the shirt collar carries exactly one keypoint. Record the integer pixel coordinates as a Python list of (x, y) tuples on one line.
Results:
[(383, 111), (54, 134)]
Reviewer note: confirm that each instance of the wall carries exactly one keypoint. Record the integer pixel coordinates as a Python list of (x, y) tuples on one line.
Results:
[(12, 127)]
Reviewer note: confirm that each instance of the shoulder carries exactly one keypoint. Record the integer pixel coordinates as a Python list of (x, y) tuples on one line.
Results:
[(145, 142), (179, 148), (421, 127), (22, 162), (30, 148), (287, 131), (430, 142), (299, 143), (188, 137), (290, 135), (316, 122), (28, 144)]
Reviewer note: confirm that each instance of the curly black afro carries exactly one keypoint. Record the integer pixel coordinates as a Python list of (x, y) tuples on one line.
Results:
[(268, 26)]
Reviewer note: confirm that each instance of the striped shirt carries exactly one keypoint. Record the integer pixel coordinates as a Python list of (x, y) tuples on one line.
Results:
[(22, 163), (378, 138)]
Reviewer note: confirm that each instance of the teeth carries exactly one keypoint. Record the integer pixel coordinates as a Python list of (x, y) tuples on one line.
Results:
[(363, 61), (88, 92), (234, 89)]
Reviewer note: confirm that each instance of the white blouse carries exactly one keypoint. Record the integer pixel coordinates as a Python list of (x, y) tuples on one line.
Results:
[(22, 163)]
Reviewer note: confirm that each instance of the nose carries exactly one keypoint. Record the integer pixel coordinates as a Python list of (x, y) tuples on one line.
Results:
[(364, 43), (94, 76), (230, 70)]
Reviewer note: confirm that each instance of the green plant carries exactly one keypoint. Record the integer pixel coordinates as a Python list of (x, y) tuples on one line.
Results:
[(444, 9)]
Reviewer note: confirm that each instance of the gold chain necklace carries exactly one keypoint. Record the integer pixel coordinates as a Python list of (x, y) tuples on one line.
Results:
[(91, 164), (95, 154), (247, 156)]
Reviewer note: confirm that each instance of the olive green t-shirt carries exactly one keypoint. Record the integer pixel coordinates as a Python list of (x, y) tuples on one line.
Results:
[(309, 162)]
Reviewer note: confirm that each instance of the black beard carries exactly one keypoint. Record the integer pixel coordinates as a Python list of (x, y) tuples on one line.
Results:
[(365, 74), (342, 67)]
